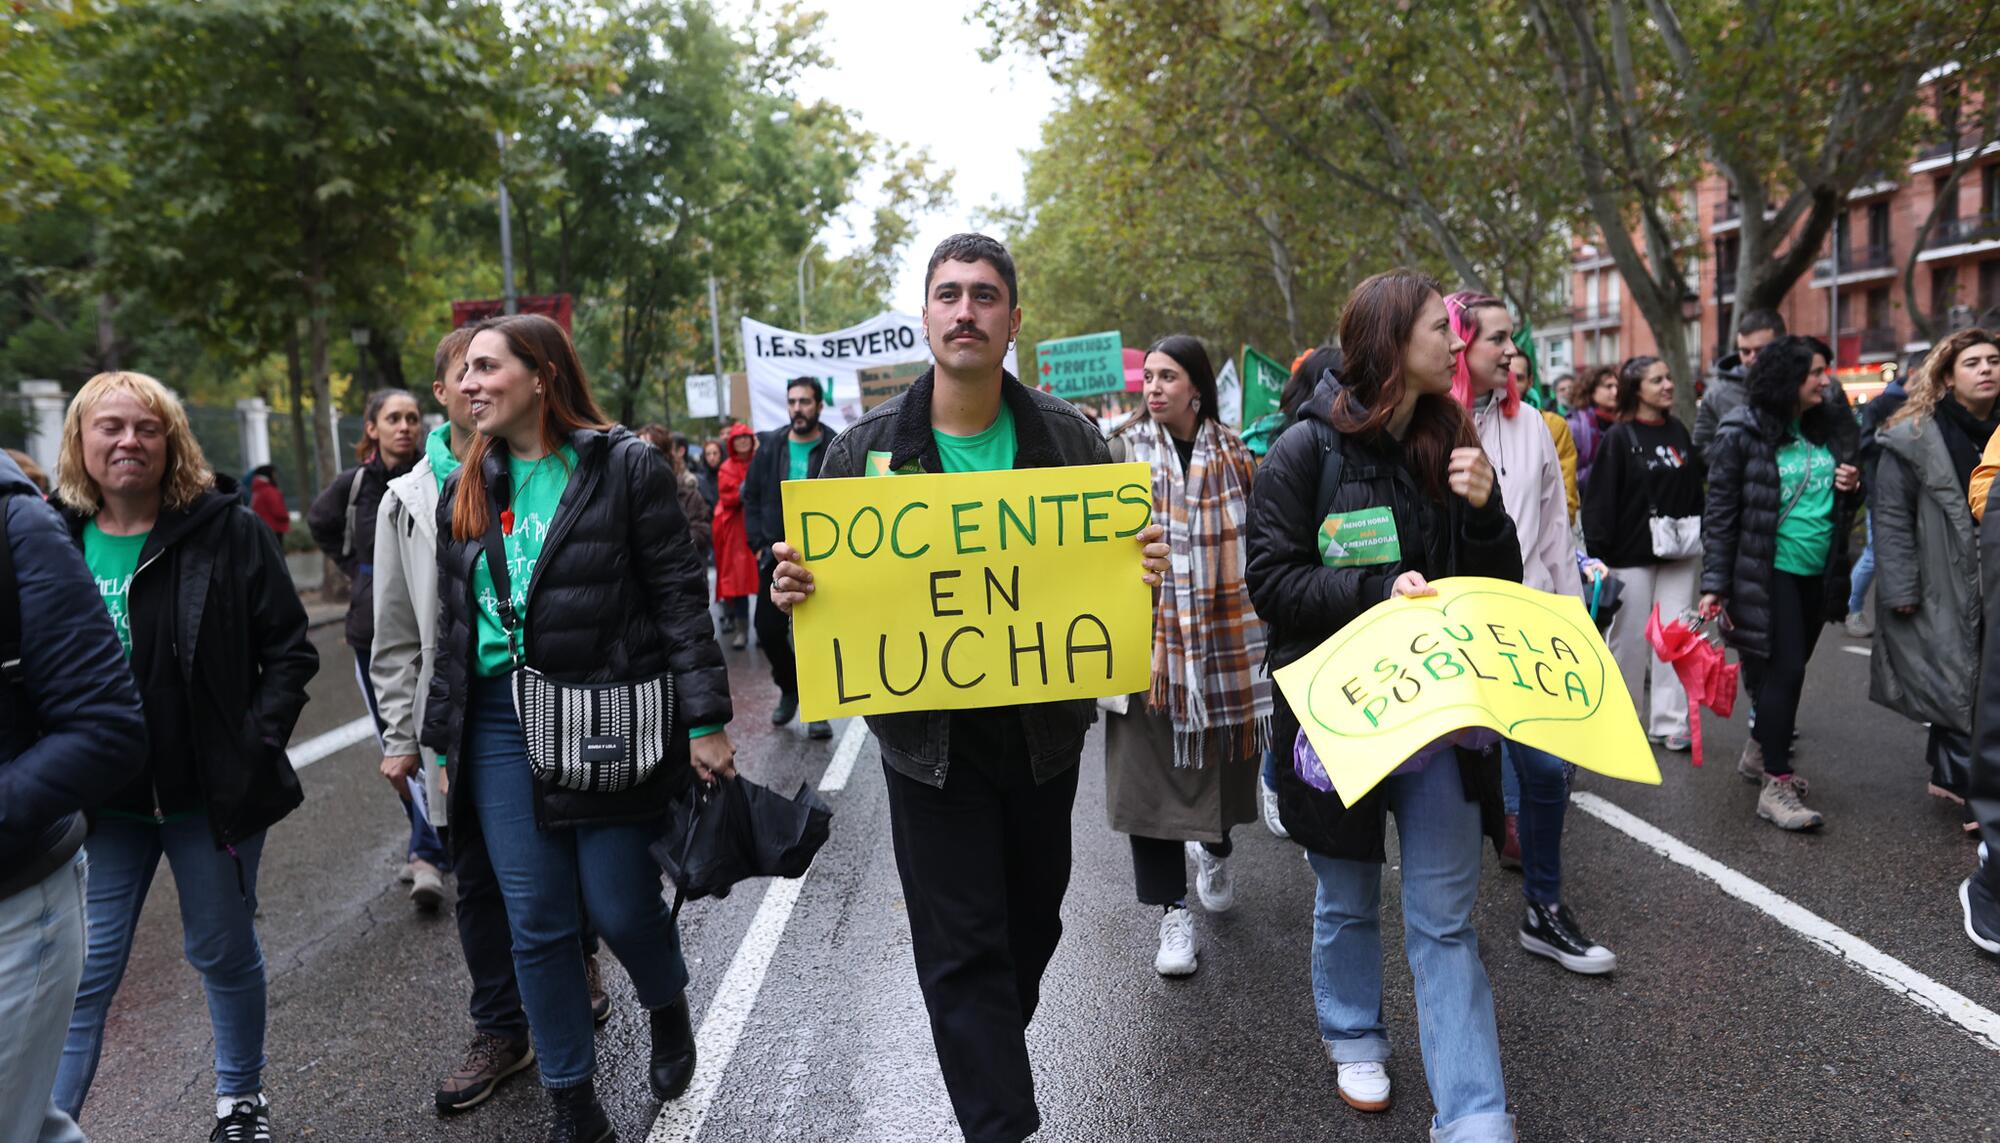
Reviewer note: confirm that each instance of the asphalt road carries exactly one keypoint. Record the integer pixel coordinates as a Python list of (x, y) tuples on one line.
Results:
[(1721, 1023)]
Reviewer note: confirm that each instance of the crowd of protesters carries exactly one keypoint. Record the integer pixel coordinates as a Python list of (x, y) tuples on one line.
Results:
[(527, 544)]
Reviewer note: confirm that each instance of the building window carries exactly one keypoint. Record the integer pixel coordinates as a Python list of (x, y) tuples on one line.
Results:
[(1989, 193), (1878, 309), (1944, 291), (1989, 287)]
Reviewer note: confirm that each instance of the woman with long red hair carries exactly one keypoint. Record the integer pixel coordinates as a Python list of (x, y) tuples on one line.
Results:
[(602, 587)]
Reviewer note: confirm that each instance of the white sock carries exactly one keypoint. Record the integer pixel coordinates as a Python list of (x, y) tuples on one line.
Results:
[(224, 1104)]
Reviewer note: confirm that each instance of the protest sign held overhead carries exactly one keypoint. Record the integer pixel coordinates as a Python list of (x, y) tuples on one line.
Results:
[(950, 591), (774, 356), (1263, 384), (881, 382), (1072, 367), (1481, 652)]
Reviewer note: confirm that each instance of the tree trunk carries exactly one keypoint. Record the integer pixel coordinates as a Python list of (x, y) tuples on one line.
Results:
[(107, 332), (334, 587), (295, 381), (562, 250), (387, 354)]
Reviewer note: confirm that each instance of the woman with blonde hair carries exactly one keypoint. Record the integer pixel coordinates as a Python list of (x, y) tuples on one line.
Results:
[(216, 638), (1928, 610)]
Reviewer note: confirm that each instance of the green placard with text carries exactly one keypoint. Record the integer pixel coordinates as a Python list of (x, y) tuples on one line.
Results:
[(1263, 383), (1072, 367)]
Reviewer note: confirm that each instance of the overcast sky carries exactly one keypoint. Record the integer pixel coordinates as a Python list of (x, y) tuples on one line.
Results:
[(910, 71)]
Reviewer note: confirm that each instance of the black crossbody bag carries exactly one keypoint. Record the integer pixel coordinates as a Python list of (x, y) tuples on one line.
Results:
[(600, 738)]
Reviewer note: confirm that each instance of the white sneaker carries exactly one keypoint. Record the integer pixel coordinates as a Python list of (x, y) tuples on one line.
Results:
[(1176, 955), (1212, 882), (1268, 798), (1364, 1084)]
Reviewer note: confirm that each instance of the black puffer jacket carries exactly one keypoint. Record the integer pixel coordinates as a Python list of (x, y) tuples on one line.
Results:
[(70, 729), (350, 542), (1739, 526), (618, 595), (1305, 603), (222, 659)]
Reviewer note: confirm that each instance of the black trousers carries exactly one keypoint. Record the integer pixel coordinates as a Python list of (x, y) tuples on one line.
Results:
[(985, 862), (774, 631), (1159, 868), (1950, 756), (1798, 612)]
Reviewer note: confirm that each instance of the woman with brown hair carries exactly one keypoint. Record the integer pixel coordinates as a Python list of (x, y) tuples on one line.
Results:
[(1384, 451), (342, 519), (686, 489), (599, 585)]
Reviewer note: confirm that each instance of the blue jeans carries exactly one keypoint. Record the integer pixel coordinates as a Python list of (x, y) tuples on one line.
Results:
[(219, 936), (41, 959), (1864, 570), (425, 844), (1544, 779), (1272, 760), (1439, 836), (540, 872)]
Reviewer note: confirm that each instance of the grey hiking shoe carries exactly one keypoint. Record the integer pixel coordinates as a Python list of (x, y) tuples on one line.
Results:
[(1779, 804), (1751, 766)]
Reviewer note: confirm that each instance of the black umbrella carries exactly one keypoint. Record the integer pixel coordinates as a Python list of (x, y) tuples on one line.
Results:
[(736, 829)]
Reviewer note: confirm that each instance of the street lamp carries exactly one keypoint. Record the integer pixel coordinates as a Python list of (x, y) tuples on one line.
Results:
[(803, 255)]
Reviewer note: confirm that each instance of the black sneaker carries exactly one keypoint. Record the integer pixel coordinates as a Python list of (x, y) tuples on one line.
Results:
[(242, 1119), (579, 1118), (1982, 909), (1553, 932), (819, 731)]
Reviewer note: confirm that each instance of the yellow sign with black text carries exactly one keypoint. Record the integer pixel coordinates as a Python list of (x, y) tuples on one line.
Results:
[(959, 590), (1481, 652)]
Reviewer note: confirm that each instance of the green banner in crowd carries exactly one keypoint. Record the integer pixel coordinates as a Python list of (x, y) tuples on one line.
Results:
[(1263, 383), (1072, 367)]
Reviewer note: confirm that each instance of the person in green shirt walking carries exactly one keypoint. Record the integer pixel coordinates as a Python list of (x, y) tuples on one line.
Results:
[(794, 452), (605, 587), (1782, 491), (979, 800)]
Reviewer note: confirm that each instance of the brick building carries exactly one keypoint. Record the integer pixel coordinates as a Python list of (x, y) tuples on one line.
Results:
[(1957, 273)]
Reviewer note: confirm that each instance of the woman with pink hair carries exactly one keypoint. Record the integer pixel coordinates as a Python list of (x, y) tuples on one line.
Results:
[(1523, 453)]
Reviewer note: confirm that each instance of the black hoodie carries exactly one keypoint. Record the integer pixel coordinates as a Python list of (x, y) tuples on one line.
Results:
[(220, 653)]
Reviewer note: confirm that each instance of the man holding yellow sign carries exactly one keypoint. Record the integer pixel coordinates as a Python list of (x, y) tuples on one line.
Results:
[(973, 620)]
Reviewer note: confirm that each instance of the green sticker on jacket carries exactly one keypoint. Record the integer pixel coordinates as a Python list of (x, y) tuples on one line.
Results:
[(1359, 539), (877, 464)]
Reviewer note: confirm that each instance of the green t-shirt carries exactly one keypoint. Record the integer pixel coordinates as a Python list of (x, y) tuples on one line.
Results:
[(1805, 482), (538, 488), (112, 561), (988, 451), (800, 453)]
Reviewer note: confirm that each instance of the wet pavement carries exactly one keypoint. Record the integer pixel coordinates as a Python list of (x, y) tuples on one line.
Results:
[(1719, 1024)]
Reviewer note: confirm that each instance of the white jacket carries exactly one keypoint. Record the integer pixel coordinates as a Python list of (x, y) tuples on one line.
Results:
[(404, 653), (1531, 485)]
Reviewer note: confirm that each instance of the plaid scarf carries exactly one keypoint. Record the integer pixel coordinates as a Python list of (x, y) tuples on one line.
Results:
[(1208, 646)]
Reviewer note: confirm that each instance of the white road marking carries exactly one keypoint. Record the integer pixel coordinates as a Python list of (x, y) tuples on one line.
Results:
[(334, 741), (842, 766), (1981, 1023), (728, 1012), (1862, 651)]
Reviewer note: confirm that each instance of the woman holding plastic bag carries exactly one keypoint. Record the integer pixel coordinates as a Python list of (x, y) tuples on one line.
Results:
[(1642, 517), (1385, 446), (1928, 610)]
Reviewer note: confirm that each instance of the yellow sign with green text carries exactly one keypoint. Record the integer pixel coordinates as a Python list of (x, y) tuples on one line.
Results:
[(1481, 652), (957, 590)]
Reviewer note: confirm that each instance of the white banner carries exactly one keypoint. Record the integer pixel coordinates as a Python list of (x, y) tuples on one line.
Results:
[(774, 356), (704, 396), (1229, 393)]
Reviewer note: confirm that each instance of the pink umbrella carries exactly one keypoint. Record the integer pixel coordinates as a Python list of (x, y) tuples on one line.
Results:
[(1705, 673)]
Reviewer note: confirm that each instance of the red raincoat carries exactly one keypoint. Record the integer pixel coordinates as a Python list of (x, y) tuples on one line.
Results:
[(735, 563)]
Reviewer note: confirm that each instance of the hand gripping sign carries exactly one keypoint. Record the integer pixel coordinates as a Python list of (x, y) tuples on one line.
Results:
[(949, 591), (1481, 652)]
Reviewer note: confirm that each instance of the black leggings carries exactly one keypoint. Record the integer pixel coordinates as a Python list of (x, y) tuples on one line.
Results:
[(1798, 611), (1159, 868)]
